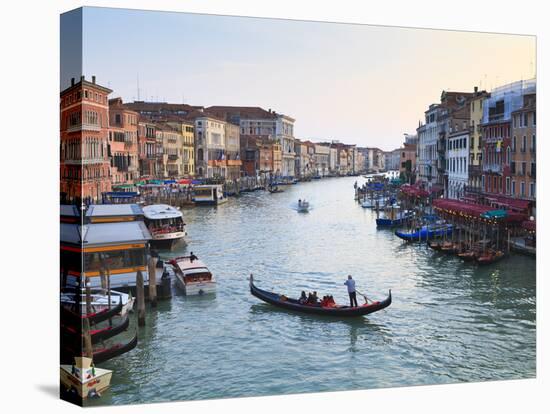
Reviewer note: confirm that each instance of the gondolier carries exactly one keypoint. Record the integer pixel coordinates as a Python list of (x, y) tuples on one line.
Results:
[(350, 283)]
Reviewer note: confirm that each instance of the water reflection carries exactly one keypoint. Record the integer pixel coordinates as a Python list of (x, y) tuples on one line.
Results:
[(449, 321)]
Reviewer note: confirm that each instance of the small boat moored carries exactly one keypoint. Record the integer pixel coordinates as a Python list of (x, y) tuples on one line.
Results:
[(284, 302), (192, 276)]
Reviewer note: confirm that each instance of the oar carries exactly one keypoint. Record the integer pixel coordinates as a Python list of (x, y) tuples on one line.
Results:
[(364, 297)]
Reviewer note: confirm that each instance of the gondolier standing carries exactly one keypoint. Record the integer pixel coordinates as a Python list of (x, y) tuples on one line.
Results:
[(350, 283)]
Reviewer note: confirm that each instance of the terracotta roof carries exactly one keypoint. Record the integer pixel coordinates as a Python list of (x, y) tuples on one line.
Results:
[(243, 112)]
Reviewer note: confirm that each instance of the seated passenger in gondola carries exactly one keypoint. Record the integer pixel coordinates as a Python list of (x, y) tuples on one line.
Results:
[(303, 298)]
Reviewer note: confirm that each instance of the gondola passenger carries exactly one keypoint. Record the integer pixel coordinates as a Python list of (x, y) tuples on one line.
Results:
[(303, 298)]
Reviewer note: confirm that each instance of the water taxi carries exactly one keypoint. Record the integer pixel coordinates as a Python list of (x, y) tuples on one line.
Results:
[(208, 194), (192, 276), (165, 223)]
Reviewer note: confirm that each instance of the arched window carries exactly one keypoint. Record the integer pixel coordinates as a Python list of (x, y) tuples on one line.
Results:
[(508, 155)]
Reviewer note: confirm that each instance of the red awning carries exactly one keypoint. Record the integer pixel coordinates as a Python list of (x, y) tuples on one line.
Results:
[(473, 210), (530, 225)]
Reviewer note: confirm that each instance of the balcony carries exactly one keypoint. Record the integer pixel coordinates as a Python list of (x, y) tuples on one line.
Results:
[(173, 157), (492, 168)]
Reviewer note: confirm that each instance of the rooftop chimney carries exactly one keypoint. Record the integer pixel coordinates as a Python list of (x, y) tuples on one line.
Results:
[(72, 81), (82, 78), (93, 79), (475, 89)]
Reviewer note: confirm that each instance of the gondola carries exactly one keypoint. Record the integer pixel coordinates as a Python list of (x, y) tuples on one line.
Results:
[(490, 257), (74, 333), (468, 256), (294, 305), (274, 190), (99, 355), (75, 318)]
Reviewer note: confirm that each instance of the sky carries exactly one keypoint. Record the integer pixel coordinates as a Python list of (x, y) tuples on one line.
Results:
[(360, 84)]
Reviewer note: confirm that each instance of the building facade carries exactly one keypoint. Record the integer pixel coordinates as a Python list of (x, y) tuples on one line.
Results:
[(232, 151), (123, 143), (210, 147), (477, 101), (84, 131), (147, 149), (284, 131), (524, 150)]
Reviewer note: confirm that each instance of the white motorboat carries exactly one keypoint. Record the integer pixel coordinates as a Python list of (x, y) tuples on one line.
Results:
[(303, 206), (84, 378), (192, 276), (165, 223), (99, 301)]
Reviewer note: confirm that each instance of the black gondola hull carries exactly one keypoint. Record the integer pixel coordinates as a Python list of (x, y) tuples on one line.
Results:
[(73, 318), (341, 311)]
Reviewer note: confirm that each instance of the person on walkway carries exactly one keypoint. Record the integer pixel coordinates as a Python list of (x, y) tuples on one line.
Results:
[(350, 283)]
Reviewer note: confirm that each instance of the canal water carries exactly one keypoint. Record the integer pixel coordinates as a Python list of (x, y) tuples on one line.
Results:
[(449, 321)]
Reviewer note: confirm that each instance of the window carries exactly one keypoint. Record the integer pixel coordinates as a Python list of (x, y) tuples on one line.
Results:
[(522, 189), (532, 190), (534, 118), (513, 167), (533, 143), (514, 144), (508, 155), (525, 119), (507, 185), (523, 168)]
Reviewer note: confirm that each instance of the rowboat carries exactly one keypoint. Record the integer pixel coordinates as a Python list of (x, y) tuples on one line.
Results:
[(489, 257), (284, 302)]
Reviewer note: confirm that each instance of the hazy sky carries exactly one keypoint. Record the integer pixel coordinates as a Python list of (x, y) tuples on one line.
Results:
[(360, 84)]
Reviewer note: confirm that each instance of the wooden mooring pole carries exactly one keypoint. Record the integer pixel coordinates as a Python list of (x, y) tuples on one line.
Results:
[(152, 281), (140, 293), (88, 349)]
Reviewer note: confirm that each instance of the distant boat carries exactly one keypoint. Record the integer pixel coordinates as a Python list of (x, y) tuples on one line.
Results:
[(303, 206)]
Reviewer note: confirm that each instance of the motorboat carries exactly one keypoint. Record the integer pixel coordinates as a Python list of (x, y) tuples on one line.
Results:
[(165, 223), (192, 276)]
